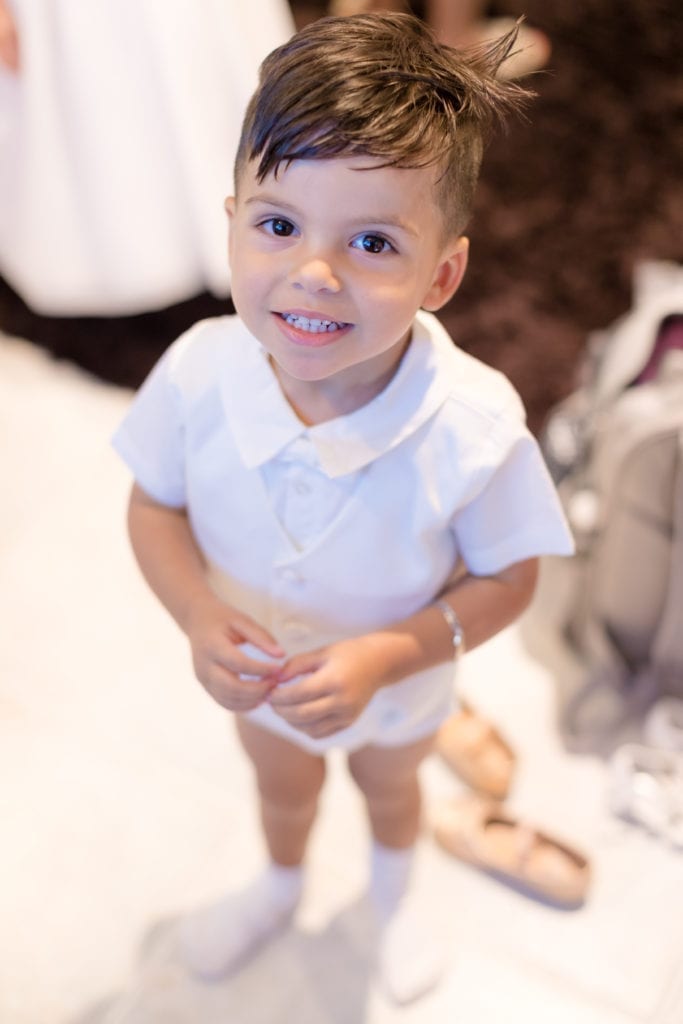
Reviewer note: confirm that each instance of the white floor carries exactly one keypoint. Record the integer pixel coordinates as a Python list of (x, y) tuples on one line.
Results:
[(125, 799)]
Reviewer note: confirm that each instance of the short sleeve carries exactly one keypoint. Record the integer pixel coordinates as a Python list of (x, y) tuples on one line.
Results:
[(516, 513), (150, 439)]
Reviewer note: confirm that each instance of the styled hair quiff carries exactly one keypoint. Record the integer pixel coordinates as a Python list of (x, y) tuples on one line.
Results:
[(381, 86)]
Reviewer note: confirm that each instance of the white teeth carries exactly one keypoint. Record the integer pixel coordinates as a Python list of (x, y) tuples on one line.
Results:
[(314, 326)]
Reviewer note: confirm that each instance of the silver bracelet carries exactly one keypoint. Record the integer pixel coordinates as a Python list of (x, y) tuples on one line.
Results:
[(455, 626)]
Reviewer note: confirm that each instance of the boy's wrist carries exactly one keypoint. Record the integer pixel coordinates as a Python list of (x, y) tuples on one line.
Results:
[(418, 643), (455, 626), (397, 653)]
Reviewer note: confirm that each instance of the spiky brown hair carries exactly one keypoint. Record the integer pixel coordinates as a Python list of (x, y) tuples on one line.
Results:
[(380, 85)]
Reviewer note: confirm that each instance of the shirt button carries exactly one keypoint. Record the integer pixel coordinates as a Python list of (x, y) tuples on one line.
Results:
[(301, 487)]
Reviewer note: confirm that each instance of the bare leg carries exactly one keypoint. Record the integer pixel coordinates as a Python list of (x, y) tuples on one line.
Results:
[(219, 938), (463, 23), (454, 20), (387, 777), (289, 781), (346, 7)]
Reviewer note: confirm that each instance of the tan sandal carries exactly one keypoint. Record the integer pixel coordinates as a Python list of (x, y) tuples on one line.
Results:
[(534, 863), (474, 749)]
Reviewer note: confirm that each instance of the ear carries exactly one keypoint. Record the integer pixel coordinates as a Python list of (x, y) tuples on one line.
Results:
[(448, 274), (229, 206)]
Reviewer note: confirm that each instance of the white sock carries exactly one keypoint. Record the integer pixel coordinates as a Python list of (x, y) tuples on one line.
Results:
[(390, 871), (219, 938), (410, 956)]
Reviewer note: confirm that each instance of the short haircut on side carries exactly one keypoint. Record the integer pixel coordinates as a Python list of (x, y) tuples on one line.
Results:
[(381, 86)]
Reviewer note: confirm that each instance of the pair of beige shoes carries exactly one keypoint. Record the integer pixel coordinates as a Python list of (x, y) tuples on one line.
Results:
[(478, 830)]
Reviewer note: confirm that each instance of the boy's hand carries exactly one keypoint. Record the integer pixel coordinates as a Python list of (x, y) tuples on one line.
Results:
[(337, 682), (216, 631)]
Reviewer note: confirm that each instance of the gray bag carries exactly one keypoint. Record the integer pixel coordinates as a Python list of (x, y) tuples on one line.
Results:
[(615, 448)]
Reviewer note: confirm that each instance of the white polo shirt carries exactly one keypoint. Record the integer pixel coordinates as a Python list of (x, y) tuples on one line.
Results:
[(337, 529)]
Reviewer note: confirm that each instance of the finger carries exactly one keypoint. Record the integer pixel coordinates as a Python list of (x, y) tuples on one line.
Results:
[(240, 664), (255, 634), (326, 727), (305, 691), (307, 716), (300, 665), (235, 693)]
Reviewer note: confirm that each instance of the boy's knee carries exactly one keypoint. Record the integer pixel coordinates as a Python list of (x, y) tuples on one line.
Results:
[(386, 773), (285, 774), (378, 785), (291, 790)]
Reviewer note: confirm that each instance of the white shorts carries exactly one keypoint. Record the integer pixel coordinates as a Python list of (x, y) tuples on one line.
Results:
[(396, 716)]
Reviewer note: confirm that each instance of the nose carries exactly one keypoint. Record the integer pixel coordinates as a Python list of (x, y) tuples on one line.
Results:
[(315, 273)]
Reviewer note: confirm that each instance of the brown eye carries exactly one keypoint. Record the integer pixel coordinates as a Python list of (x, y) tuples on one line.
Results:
[(278, 226), (373, 244)]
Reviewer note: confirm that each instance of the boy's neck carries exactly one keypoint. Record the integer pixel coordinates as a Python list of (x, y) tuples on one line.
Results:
[(319, 401)]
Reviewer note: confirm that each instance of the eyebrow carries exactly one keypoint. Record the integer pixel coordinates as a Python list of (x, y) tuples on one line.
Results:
[(379, 221), (265, 198)]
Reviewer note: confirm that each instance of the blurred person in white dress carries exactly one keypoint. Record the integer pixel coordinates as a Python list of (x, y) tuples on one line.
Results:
[(118, 129)]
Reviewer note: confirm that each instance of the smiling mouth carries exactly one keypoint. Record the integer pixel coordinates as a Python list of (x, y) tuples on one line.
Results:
[(312, 325)]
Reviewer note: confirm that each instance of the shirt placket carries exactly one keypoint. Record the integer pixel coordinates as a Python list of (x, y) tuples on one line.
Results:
[(304, 520)]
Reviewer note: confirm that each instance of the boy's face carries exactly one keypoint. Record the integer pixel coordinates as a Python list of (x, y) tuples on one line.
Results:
[(331, 260)]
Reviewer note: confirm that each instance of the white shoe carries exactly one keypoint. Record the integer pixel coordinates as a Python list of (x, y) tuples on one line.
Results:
[(646, 788), (218, 939), (410, 956), (663, 726)]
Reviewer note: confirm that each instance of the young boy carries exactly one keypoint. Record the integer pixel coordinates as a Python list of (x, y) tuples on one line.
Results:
[(329, 494)]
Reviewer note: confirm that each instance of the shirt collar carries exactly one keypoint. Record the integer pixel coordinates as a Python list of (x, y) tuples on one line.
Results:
[(263, 423)]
